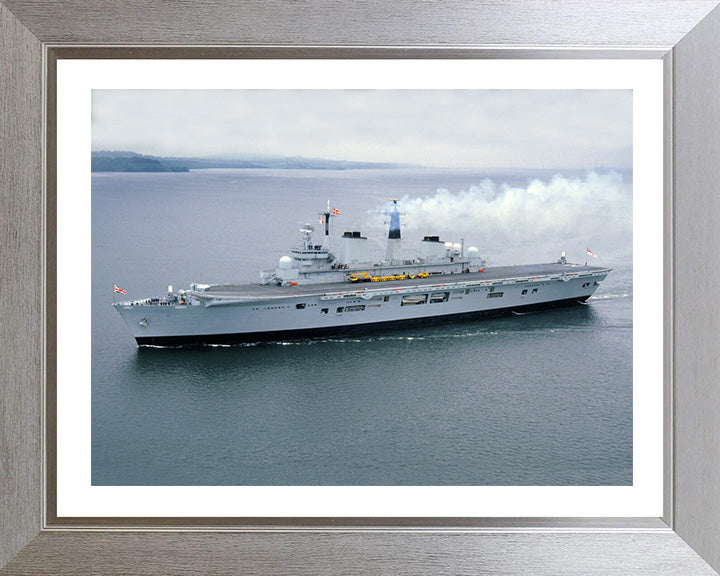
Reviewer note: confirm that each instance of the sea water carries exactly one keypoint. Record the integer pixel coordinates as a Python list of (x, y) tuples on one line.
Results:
[(536, 399)]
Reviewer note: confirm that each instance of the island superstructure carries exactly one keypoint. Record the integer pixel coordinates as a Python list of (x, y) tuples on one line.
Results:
[(315, 292)]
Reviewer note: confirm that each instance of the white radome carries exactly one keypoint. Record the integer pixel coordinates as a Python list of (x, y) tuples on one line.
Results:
[(285, 263)]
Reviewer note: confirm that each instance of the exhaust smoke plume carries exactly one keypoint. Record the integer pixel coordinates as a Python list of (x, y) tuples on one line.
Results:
[(538, 220)]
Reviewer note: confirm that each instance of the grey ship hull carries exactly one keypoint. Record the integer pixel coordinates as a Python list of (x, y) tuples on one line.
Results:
[(341, 330), (245, 313)]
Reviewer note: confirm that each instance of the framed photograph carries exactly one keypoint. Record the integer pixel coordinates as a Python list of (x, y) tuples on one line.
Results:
[(143, 169), (468, 428)]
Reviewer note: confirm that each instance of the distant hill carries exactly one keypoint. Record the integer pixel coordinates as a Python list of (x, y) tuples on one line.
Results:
[(131, 162), (123, 161)]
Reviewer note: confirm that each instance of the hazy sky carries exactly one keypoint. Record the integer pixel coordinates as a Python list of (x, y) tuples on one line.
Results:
[(582, 129)]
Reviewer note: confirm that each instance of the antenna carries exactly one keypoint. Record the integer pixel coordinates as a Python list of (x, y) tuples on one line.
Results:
[(325, 216)]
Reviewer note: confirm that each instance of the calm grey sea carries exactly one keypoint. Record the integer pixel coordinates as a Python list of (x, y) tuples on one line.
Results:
[(538, 399)]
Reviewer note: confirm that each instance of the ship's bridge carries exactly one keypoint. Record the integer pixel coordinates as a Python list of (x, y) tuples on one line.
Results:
[(308, 253)]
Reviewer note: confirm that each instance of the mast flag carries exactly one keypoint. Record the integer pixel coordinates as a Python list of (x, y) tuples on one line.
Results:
[(589, 252), (325, 216)]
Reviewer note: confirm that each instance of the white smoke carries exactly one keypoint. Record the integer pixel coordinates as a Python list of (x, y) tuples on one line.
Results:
[(538, 219)]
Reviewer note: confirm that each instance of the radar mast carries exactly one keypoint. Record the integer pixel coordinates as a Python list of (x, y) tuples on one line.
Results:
[(394, 244), (325, 216)]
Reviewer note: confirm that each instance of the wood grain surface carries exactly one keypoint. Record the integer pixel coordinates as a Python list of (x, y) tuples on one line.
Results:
[(697, 304), (634, 23), (362, 554), (20, 284)]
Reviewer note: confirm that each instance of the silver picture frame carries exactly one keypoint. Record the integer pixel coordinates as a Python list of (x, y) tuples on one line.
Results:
[(685, 34)]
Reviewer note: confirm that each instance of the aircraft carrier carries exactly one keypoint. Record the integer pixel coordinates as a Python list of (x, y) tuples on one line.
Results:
[(314, 292)]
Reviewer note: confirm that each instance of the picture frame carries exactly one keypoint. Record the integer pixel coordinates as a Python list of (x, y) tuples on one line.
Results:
[(460, 487), (683, 34)]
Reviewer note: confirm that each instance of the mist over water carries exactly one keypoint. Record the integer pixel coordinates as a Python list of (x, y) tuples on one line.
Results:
[(534, 399)]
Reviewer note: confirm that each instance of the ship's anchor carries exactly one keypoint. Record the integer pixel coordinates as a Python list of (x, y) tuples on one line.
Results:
[(144, 322)]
